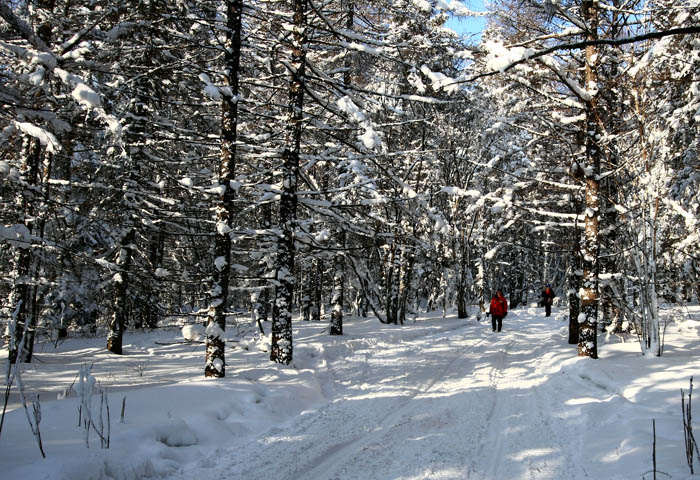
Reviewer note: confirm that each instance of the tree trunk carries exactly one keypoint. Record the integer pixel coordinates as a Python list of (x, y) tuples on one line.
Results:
[(117, 323), (263, 299), (407, 263), (46, 165), (462, 310), (305, 300), (574, 286), (317, 291), (151, 314), (610, 301), (392, 287), (28, 313), (215, 362), (336, 326), (587, 344), (262, 309), (281, 345), (20, 303)]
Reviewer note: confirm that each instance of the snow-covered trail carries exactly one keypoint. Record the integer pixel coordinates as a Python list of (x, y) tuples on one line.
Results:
[(438, 398), (454, 404)]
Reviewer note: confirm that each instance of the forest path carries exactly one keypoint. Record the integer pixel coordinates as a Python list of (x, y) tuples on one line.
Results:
[(453, 404)]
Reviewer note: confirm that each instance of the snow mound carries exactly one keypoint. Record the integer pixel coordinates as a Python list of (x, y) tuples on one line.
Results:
[(309, 356), (257, 343), (176, 433), (580, 368), (689, 328), (193, 333)]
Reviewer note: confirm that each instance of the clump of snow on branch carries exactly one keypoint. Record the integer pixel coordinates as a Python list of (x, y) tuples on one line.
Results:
[(162, 272), (457, 8), (47, 139), (423, 5), (415, 81), (214, 330), (86, 96), (459, 192), (370, 138), (440, 81), (500, 57), (220, 263), (582, 93), (210, 90), (31, 56), (360, 47), (566, 120), (658, 50), (492, 253), (88, 99)]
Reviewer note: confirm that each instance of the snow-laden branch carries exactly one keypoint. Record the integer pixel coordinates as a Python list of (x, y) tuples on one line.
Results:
[(40, 54), (47, 139), (581, 45), (20, 26)]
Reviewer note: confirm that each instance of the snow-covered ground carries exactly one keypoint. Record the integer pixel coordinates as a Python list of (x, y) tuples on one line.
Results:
[(438, 398)]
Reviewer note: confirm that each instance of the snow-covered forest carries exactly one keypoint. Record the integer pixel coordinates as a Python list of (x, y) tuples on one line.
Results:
[(258, 164)]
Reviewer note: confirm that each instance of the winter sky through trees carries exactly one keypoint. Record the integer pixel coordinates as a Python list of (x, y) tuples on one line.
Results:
[(472, 25)]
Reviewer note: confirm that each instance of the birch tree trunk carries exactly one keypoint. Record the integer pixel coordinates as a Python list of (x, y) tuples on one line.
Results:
[(281, 345), (215, 365), (645, 262), (645, 254)]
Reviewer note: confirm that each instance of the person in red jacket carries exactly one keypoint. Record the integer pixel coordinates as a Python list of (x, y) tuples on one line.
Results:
[(547, 299), (498, 310)]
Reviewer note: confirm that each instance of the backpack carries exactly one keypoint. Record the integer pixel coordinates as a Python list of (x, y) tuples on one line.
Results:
[(497, 307)]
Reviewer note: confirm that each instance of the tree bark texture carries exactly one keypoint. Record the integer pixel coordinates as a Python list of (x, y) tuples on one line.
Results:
[(319, 267), (574, 287), (336, 325), (117, 324), (215, 362), (281, 345), (587, 344), (23, 291)]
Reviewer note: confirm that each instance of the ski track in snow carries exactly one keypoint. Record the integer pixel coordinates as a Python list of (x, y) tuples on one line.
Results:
[(465, 403)]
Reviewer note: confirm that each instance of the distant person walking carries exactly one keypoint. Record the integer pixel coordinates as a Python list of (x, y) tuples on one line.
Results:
[(547, 299), (498, 310)]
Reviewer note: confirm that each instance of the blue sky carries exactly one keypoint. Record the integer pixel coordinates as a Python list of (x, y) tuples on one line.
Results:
[(469, 25)]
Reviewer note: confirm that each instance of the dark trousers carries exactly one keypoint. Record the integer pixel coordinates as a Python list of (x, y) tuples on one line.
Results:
[(496, 320), (547, 309)]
